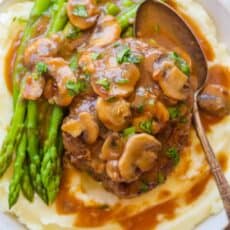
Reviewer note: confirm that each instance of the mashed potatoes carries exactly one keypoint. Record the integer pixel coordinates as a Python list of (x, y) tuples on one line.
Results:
[(190, 175)]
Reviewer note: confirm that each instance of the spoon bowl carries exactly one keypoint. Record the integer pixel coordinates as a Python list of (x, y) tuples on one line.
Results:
[(157, 14)]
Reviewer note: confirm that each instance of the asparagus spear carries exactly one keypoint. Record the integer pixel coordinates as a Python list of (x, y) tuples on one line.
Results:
[(33, 149), (40, 6), (13, 135), (51, 164), (26, 185), (126, 16), (14, 188), (33, 142), (16, 125), (20, 173)]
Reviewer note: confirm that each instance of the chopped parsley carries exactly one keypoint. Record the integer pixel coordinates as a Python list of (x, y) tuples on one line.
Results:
[(144, 187), (173, 154), (72, 32), (180, 63), (95, 56), (76, 88), (140, 108), (80, 10), (104, 83), (160, 178), (73, 63), (122, 81), (41, 68), (125, 55), (174, 112), (129, 131), (146, 126)]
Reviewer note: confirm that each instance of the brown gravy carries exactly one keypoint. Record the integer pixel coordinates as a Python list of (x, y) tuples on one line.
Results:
[(197, 189), (10, 60), (223, 160)]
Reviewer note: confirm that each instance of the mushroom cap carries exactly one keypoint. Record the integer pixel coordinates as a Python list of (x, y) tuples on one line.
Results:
[(172, 83), (85, 125), (83, 22), (121, 79), (139, 154), (61, 73), (112, 147), (38, 49), (33, 88), (114, 115), (215, 99), (107, 31)]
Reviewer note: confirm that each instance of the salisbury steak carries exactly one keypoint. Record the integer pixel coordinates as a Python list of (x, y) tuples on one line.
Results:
[(130, 130)]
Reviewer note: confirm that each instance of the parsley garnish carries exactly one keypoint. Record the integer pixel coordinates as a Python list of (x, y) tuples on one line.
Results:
[(160, 178), (173, 112), (41, 68), (122, 81), (80, 10), (72, 32), (95, 56), (173, 154), (144, 187), (73, 64), (129, 132), (125, 55), (146, 126), (180, 63), (104, 83), (140, 108), (76, 88)]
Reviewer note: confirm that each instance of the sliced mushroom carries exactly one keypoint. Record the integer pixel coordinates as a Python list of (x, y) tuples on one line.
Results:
[(85, 125), (61, 73), (40, 48), (112, 147), (172, 83), (215, 99), (161, 112), (139, 155), (120, 81), (107, 31), (82, 13), (33, 87), (115, 115)]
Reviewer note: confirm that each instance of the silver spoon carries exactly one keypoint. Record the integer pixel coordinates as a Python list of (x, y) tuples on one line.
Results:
[(151, 13)]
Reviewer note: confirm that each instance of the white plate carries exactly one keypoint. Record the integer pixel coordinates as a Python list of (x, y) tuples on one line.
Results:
[(219, 10)]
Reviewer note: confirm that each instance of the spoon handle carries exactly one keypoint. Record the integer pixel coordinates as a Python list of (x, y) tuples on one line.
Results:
[(221, 181)]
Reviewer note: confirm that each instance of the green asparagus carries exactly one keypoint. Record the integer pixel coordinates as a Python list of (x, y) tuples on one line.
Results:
[(21, 174), (126, 16), (51, 164), (26, 185), (40, 6), (58, 23), (14, 188), (13, 135)]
